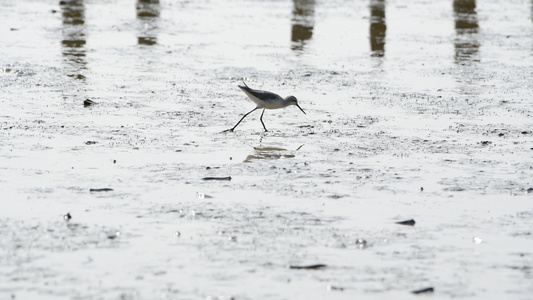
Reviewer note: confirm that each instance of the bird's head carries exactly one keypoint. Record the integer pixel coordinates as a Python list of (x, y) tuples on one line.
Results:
[(293, 101)]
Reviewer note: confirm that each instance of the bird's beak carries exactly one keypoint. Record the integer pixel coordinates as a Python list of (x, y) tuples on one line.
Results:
[(300, 108)]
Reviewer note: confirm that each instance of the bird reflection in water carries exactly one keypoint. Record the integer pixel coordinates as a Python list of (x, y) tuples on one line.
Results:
[(270, 153)]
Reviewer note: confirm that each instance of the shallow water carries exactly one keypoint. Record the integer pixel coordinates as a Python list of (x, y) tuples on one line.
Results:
[(418, 110)]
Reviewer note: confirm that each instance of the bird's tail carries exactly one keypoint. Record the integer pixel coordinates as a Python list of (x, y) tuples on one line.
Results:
[(245, 85)]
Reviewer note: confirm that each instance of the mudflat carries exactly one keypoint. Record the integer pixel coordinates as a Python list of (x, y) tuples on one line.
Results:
[(410, 175)]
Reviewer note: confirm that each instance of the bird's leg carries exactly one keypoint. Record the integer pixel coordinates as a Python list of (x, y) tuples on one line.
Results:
[(261, 119), (231, 129)]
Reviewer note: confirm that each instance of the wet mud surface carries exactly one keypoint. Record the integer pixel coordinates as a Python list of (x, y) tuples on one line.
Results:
[(410, 175)]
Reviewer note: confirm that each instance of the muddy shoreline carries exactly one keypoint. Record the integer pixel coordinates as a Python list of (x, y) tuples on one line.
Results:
[(409, 176)]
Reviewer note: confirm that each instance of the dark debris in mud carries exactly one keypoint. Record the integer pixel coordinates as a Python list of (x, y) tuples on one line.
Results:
[(88, 102), (308, 267), (427, 290), (99, 190), (227, 178), (410, 222)]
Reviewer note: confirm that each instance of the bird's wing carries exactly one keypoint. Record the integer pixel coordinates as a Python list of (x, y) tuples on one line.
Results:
[(258, 94)]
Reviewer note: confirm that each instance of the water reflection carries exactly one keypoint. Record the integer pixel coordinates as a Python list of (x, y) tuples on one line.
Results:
[(268, 153), (302, 23), (378, 27), (148, 12), (74, 38), (466, 28)]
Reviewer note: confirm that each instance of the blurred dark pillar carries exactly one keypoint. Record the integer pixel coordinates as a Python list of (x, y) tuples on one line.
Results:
[(302, 23), (378, 27), (466, 30), (148, 12), (74, 39)]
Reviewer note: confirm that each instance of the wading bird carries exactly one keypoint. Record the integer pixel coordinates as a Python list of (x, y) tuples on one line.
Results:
[(265, 100)]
